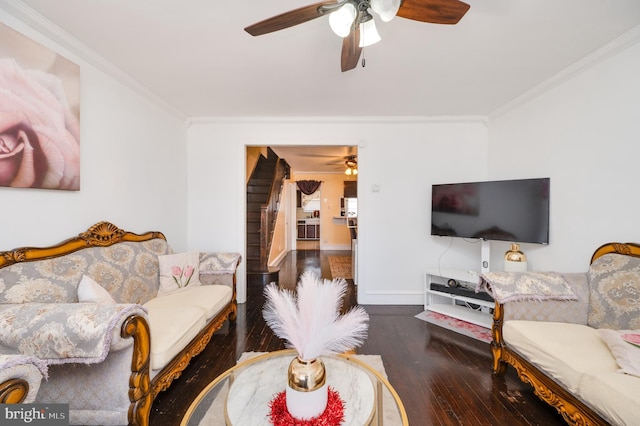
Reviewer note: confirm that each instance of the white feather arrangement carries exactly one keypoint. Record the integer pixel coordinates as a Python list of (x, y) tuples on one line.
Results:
[(310, 321)]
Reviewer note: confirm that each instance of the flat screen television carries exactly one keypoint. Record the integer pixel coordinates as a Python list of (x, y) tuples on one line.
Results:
[(505, 210)]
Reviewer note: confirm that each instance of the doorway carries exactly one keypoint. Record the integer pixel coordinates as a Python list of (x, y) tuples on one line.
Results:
[(327, 164)]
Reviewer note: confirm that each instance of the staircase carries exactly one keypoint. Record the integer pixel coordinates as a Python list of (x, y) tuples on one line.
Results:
[(264, 191)]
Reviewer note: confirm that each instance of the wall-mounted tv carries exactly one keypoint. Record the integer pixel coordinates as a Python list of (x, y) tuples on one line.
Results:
[(505, 210)]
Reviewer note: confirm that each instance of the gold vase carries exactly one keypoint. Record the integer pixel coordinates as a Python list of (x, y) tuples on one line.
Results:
[(514, 259), (307, 391), (306, 376)]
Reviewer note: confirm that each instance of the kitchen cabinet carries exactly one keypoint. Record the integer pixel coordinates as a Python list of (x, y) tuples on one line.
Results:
[(350, 189), (308, 229)]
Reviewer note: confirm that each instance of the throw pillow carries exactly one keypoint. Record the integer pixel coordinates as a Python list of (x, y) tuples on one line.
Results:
[(626, 354), (614, 288), (178, 271), (89, 291)]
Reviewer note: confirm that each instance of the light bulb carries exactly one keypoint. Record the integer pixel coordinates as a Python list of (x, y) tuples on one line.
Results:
[(342, 19), (386, 9), (368, 33), (348, 171)]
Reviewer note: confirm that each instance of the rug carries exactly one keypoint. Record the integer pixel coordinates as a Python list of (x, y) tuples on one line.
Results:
[(391, 416), (340, 267), (459, 326)]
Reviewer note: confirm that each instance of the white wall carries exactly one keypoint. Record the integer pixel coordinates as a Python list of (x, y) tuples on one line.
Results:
[(133, 167), (583, 133), (403, 157)]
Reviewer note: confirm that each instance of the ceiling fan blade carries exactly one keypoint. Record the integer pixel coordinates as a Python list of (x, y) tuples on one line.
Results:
[(433, 11), (289, 19), (351, 50)]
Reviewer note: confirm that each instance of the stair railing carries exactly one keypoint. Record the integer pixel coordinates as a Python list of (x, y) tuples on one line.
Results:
[(269, 211)]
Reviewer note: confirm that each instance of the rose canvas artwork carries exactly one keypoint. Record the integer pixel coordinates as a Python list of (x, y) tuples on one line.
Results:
[(39, 115)]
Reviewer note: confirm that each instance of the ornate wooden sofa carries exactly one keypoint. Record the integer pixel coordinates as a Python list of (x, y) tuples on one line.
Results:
[(564, 348), (149, 339)]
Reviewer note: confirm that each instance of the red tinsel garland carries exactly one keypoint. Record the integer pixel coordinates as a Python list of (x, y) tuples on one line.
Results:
[(333, 415)]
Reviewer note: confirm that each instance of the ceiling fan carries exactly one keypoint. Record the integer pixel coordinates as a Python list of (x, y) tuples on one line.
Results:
[(353, 21)]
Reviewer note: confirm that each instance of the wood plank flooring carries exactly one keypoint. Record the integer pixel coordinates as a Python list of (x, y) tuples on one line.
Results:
[(442, 377)]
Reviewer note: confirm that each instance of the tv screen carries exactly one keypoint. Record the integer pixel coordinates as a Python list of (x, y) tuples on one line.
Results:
[(506, 210)]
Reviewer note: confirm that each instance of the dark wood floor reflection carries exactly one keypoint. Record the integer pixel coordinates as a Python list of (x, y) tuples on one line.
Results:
[(442, 377)]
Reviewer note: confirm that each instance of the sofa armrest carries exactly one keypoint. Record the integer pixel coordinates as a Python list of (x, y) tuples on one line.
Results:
[(59, 333), (219, 263), (218, 268), (20, 378)]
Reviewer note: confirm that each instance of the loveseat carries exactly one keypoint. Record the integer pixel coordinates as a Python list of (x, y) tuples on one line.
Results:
[(568, 335), (111, 318)]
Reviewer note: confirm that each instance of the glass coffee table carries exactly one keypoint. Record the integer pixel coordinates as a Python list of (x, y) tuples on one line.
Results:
[(241, 395)]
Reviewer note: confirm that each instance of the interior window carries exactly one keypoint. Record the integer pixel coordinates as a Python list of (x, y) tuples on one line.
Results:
[(311, 202)]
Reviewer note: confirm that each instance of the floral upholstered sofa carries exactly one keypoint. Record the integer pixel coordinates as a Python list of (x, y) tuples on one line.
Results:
[(107, 319), (570, 335)]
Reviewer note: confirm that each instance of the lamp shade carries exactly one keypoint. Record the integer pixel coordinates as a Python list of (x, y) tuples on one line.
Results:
[(368, 33), (386, 9), (341, 20)]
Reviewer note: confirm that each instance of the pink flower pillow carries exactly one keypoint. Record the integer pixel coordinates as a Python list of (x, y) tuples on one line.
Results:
[(178, 271)]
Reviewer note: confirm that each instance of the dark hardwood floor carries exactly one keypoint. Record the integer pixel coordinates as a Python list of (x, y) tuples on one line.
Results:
[(442, 377)]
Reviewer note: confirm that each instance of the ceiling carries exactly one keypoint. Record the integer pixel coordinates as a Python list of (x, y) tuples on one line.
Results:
[(194, 54), (316, 159)]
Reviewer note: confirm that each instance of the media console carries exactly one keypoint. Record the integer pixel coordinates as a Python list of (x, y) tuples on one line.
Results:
[(457, 298)]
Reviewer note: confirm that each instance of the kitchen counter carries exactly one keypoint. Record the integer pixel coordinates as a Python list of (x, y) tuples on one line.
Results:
[(310, 221)]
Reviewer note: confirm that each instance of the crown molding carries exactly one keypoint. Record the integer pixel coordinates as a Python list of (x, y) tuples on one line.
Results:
[(596, 57), (341, 119), (39, 23)]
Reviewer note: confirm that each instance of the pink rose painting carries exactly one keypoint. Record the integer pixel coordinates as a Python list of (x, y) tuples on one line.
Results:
[(39, 129)]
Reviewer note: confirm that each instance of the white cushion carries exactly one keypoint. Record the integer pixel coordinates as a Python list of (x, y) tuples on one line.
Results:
[(172, 328), (210, 298), (178, 271), (564, 351), (89, 291), (614, 395)]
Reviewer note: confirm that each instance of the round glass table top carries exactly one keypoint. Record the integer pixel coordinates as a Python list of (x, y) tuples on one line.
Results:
[(241, 395)]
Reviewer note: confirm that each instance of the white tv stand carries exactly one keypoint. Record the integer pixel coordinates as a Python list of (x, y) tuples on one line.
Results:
[(460, 302)]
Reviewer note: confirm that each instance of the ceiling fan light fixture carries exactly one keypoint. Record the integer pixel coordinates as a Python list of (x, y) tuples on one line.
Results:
[(386, 9), (342, 19), (369, 33), (351, 165)]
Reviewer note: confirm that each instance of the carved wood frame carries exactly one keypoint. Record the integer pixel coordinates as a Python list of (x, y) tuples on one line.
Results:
[(574, 411), (142, 391), (13, 391)]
